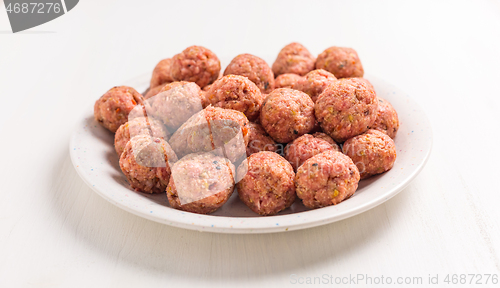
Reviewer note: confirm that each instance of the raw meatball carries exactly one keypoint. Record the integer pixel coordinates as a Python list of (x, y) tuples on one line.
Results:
[(326, 179), (258, 140), (305, 147), (266, 184), (287, 114), (161, 73), (373, 152), (346, 108), (235, 92), (138, 126), (200, 183), (112, 109), (315, 82), (213, 128), (293, 58), (327, 138), (195, 64), (175, 103), (254, 68), (145, 163), (387, 118), (342, 62), (287, 81)]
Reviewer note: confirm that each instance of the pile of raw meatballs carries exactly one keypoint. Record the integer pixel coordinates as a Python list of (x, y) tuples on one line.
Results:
[(306, 127)]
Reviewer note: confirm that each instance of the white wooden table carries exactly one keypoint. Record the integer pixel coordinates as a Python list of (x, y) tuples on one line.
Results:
[(56, 232)]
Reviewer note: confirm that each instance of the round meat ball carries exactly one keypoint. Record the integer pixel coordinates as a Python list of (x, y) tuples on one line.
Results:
[(155, 90), (213, 128), (175, 103), (327, 138), (145, 163), (387, 118), (138, 126), (287, 80), (305, 147), (294, 58), (112, 109), (346, 108), (195, 64), (342, 62), (235, 92), (200, 183), (326, 179), (161, 73), (266, 184), (255, 69), (373, 152), (287, 114), (315, 82), (258, 140)]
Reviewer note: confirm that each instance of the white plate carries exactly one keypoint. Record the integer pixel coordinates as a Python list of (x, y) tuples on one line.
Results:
[(95, 160)]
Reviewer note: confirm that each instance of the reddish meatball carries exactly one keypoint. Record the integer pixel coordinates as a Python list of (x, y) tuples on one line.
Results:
[(387, 118), (213, 128), (373, 152), (305, 147), (266, 184), (175, 103), (195, 64), (255, 69), (287, 81), (112, 109), (200, 183), (235, 92), (161, 73), (154, 91), (138, 126), (145, 163), (326, 179), (327, 138), (258, 140), (287, 114), (294, 58), (342, 62), (315, 82), (346, 108)]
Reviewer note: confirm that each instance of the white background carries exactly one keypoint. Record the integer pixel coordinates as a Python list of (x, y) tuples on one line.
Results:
[(56, 232)]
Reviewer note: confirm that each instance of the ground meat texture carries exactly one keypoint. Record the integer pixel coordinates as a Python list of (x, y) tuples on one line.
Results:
[(195, 64), (213, 128), (266, 184), (327, 138), (373, 152), (342, 62), (145, 163), (346, 109), (200, 183), (175, 103), (161, 73), (153, 91), (287, 114), (294, 58), (259, 140), (138, 126), (326, 179), (287, 81), (305, 147), (315, 82), (112, 109), (235, 92), (255, 69), (387, 118)]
